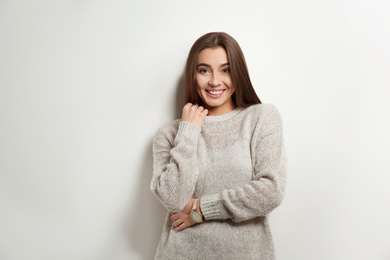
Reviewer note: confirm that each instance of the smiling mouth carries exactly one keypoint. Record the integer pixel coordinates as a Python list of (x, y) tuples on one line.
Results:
[(215, 92)]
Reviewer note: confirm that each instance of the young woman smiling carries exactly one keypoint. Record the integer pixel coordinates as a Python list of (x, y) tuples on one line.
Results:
[(221, 168), (214, 82)]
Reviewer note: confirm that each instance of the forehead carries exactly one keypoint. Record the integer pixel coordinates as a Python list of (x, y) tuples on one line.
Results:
[(214, 55)]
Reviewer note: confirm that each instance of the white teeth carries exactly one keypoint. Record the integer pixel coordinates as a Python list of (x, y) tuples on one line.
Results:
[(216, 92)]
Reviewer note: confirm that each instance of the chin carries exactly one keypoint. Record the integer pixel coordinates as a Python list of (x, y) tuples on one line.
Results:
[(212, 104)]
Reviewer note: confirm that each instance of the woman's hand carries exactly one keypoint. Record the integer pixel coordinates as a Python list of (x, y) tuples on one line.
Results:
[(194, 114), (182, 220)]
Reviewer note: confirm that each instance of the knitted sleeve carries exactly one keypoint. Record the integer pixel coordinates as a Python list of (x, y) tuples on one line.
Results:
[(266, 191), (175, 164)]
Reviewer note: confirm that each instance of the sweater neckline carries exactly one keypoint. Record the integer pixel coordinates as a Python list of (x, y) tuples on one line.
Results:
[(223, 117)]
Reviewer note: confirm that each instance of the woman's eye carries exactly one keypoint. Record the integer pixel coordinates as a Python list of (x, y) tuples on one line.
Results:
[(204, 71), (226, 71)]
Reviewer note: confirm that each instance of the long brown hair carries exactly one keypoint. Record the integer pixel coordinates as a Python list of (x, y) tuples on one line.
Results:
[(244, 94)]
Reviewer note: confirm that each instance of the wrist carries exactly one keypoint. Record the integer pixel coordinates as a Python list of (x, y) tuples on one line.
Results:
[(198, 206), (196, 213)]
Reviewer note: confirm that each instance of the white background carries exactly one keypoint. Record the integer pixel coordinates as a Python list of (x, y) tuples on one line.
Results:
[(84, 85)]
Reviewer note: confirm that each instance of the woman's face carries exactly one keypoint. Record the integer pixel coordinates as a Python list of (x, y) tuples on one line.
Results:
[(214, 81)]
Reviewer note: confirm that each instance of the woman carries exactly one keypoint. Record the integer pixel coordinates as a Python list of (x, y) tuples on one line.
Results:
[(221, 168)]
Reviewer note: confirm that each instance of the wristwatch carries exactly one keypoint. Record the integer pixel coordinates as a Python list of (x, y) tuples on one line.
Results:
[(196, 215)]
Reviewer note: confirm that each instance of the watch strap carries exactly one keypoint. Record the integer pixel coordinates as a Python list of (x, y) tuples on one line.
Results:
[(194, 209), (194, 205)]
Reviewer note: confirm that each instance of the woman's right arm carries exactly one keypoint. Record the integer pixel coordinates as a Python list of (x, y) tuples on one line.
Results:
[(175, 170)]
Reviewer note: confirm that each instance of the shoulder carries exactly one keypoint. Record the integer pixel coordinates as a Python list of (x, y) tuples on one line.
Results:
[(265, 119), (167, 131), (263, 112)]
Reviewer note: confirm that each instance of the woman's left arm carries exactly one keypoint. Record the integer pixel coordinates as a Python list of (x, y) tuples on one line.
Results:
[(266, 191)]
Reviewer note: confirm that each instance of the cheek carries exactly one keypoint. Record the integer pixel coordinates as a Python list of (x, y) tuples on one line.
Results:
[(198, 87), (228, 83), (199, 82)]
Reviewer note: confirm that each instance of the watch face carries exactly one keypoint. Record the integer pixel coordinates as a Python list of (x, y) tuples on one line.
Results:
[(196, 217)]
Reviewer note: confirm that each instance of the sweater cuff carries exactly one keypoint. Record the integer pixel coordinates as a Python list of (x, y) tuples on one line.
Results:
[(188, 130), (211, 207)]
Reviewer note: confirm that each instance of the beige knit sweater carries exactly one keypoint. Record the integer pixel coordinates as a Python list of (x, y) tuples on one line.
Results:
[(236, 165)]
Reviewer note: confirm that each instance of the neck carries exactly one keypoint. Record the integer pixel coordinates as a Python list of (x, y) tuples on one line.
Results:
[(216, 111)]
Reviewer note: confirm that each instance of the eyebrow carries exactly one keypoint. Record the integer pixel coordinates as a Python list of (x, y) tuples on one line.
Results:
[(207, 65)]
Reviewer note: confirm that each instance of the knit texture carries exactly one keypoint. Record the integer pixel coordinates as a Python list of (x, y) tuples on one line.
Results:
[(236, 165)]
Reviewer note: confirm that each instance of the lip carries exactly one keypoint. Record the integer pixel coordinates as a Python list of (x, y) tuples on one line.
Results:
[(215, 93)]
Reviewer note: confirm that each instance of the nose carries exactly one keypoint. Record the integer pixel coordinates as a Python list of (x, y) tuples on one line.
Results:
[(215, 81)]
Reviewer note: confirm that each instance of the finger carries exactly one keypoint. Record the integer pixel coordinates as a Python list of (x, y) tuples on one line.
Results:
[(187, 106), (178, 222), (180, 227), (205, 112), (194, 107), (174, 216), (200, 108)]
